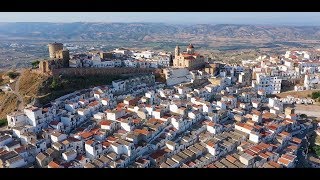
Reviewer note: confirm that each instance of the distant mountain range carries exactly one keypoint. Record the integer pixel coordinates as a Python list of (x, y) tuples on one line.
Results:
[(154, 32)]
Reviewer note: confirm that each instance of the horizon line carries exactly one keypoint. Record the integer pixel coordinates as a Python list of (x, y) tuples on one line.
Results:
[(170, 23)]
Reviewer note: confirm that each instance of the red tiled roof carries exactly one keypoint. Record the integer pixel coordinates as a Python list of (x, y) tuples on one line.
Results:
[(158, 154), (255, 150), (80, 157), (70, 138), (231, 158), (211, 123), (293, 147), (248, 151), (211, 166), (95, 130), (106, 123), (94, 103), (283, 161), (89, 142), (86, 135), (53, 164), (296, 140), (142, 131), (136, 121), (142, 161), (106, 144), (275, 164), (111, 139), (264, 156), (211, 144), (288, 157), (284, 133), (54, 123)]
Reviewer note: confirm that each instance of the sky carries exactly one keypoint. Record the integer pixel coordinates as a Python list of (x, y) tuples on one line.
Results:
[(268, 18)]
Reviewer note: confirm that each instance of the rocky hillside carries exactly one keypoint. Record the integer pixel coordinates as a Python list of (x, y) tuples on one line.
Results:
[(154, 31)]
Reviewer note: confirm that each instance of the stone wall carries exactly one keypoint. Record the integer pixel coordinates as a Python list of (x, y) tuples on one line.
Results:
[(101, 71)]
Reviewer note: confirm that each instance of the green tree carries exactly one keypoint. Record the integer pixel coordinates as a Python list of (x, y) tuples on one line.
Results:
[(54, 85), (303, 116), (13, 75), (3, 122), (212, 98), (315, 95), (35, 64), (316, 150)]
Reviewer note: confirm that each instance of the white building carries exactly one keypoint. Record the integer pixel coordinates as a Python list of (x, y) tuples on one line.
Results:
[(143, 54), (310, 81), (33, 114), (69, 155), (177, 76), (57, 136), (271, 84), (15, 162), (93, 149), (16, 119)]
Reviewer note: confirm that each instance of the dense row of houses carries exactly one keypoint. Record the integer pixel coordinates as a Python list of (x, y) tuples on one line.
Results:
[(140, 123), (293, 65), (121, 58)]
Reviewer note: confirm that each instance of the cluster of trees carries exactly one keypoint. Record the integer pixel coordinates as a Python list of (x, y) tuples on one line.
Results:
[(315, 95), (316, 150), (55, 84), (62, 85), (3, 122), (35, 64), (13, 75), (303, 116)]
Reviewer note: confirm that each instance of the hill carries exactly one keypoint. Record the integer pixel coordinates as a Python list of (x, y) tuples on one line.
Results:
[(155, 32), (9, 103), (40, 89)]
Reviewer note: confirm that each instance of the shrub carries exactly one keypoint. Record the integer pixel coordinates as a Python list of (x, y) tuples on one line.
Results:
[(35, 64), (303, 116), (13, 75), (316, 150), (315, 95), (55, 84), (3, 122)]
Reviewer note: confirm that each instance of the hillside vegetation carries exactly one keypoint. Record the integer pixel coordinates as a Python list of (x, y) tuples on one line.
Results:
[(41, 89), (44, 89)]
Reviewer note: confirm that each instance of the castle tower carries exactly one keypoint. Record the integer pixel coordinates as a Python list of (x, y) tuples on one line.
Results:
[(190, 49), (54, 48), (65, 58), (176, 51)]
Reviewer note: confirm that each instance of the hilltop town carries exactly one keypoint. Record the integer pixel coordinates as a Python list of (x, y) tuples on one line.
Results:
[(203, 114)]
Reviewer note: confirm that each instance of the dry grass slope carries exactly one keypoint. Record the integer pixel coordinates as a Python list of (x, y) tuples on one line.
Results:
[(8, 104), (30, 84), (297, 94)]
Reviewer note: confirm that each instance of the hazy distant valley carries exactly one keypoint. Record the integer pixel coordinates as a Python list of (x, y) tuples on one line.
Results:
[(22, 43)]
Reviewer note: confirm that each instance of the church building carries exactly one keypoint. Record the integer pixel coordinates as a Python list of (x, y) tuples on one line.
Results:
[(188, 59)]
